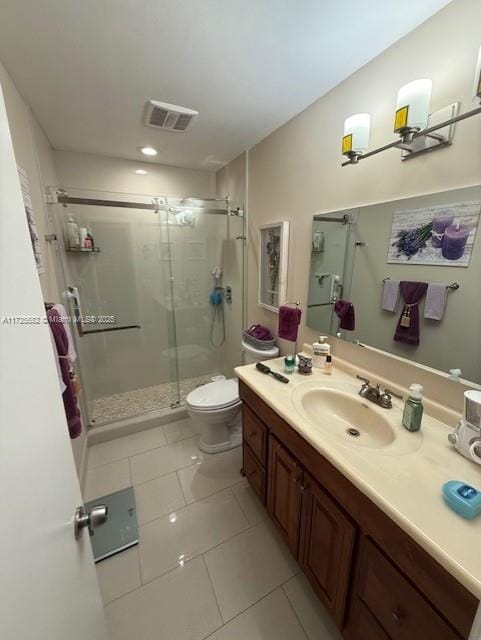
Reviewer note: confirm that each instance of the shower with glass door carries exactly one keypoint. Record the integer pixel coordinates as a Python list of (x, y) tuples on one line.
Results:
[(157, 301)]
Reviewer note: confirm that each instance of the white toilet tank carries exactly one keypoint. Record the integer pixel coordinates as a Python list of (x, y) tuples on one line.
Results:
[(258, 355)]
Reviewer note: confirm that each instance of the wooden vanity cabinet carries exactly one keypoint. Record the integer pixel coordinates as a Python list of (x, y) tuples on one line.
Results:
[(374, 579)]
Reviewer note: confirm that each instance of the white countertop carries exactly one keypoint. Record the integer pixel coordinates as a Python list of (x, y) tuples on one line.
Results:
[(407, 487)]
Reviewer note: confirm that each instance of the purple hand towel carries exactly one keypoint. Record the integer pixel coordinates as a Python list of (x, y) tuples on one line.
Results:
[(69, 400), (407, 329), (289, 320), (345, 312)]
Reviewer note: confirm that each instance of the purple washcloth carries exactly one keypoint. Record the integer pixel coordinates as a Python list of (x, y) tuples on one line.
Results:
[(259, 332), (407, 329), (69, 400), (289, 320), (345, 311)]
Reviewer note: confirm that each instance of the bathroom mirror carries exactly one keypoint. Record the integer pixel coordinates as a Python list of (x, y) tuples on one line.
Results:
[(273, 248), (359, 256)]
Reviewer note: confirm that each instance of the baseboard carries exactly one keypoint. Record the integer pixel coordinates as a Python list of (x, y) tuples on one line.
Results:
[(121, 428)]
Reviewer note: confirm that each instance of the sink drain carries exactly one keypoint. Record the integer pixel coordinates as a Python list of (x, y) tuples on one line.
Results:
[(354, 433)]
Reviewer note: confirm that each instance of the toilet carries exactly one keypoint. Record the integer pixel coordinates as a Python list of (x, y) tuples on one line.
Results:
[(215, 407)]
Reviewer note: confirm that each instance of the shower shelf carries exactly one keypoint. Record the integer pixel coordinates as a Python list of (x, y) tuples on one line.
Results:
[(94, 250)]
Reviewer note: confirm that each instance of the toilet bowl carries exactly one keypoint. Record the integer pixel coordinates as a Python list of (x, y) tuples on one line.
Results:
[(215, 407), (215, 410)]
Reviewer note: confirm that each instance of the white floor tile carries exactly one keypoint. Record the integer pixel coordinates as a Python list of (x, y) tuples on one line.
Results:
[(127, 446), (248, 567), (212, 474), (174, 539), (314, 618), (158, 462), (106, 479), (179, 430), (158, 497), (178, 606), (252, 507), (270, 619), (118, 575)]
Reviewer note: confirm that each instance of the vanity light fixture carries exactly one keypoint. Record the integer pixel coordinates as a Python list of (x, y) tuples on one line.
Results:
[(419, 131), (355, 141), (412, 108), (148, 151)]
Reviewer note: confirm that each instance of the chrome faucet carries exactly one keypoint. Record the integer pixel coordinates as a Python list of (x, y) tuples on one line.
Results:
[(374, 394)]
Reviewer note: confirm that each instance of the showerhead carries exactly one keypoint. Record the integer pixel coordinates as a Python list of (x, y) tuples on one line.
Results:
[(217, 272)]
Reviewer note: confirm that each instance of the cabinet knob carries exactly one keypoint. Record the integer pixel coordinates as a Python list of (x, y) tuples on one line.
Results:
[(397, 616)]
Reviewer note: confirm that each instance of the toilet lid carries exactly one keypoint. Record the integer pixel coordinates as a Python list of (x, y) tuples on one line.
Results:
[(214, 395)]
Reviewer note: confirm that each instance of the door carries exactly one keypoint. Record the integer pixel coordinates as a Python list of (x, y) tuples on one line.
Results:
[(327, 542), (284, 492), (48, 582)]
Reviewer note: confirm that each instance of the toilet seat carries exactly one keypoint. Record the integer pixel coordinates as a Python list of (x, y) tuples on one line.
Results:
[(221, 394)]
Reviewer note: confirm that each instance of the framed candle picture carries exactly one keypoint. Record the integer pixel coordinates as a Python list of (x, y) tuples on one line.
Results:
[(440, 235)]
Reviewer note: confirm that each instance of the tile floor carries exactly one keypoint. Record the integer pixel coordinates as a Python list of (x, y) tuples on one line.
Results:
[(119, 406), (209, 563)]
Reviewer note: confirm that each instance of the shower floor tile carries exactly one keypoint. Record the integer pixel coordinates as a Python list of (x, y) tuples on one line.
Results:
[(132, 403)]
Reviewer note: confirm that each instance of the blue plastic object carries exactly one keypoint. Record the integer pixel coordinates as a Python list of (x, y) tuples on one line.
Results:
[(464, 499), (215, 298)]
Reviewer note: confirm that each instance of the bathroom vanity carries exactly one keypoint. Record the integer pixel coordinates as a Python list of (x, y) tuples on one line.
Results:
[(363, 516)]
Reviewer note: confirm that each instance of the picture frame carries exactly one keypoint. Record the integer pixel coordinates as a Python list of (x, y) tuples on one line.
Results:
[(273, 264)]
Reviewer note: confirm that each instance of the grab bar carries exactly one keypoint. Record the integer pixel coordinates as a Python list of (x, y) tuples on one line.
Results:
[(128, 326)]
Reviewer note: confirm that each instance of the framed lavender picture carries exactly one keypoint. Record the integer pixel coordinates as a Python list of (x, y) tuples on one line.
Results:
[(273, 250), (438, 235)]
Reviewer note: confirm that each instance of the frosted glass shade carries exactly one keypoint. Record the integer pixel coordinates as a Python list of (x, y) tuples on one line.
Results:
[(416, 96), (477, 78), (359, 126)]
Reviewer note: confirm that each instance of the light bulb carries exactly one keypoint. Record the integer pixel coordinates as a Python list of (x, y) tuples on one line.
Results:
[(148, 151)]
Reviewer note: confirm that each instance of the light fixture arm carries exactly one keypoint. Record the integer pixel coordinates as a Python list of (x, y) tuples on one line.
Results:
[(428, 132)]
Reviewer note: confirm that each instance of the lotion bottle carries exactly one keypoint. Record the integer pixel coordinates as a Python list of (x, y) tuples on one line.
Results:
[(413, 408), (320, 351)]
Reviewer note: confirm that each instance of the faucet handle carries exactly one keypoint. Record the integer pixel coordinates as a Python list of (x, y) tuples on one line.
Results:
[(365, 380), (393, 393)]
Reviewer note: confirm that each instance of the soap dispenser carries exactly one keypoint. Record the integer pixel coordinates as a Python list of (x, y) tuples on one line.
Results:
[(413, 409), (320, 351)]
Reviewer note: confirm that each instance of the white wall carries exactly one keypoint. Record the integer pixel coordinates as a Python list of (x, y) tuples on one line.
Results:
[(295, 172), (87, 171), (34, 154)]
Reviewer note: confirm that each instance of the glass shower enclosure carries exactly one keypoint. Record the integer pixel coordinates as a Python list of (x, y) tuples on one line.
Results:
[(157, 301)]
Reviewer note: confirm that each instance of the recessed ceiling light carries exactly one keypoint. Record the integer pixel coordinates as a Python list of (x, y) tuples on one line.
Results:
[(140, 172), (148, 151)]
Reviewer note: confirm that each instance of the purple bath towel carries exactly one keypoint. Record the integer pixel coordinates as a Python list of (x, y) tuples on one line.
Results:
[(345, 312), (289, 320), (72, 411), (407, 329)]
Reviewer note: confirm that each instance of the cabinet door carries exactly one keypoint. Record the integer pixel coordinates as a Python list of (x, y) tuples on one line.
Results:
[(327, 542), (284, 492)]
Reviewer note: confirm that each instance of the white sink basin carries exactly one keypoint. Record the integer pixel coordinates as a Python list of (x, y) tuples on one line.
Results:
[(360, 423)]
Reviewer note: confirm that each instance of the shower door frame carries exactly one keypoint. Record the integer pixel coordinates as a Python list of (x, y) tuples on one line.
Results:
[(60, 196)]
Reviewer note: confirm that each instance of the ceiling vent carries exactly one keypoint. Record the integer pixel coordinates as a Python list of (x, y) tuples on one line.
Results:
[(168, 116)]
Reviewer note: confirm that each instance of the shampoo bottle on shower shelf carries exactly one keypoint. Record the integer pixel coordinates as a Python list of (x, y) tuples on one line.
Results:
[(73, 235), (89, 241), (320, 351), (413, 409)]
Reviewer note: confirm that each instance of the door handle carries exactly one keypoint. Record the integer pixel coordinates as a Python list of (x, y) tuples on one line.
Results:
[(74, 296), (92, 519)]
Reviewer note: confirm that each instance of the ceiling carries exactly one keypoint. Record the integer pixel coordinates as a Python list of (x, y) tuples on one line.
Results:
[(87, 67)]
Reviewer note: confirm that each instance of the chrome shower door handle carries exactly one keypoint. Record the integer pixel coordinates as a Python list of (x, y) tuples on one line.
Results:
[(74, 297), (92, 519), (336, 288)]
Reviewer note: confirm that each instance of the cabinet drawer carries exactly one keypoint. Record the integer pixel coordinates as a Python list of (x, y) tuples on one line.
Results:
[(362, 624), (399, 608), (255, 434), (254, 473)]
